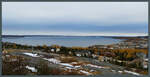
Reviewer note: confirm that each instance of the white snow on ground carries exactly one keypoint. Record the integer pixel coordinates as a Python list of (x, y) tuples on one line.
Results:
[(146, 59), (130, 72), (69, 68), (77, 66), (74, 63), (31, 68), (92, 70), (120, 71), (145, 66), (55, 61), (74, 67), (95, 66), (113, 70), (31, 54), (66, 64), (85, 72)]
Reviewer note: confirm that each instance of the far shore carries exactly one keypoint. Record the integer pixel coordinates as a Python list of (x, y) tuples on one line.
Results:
[(119, 37)]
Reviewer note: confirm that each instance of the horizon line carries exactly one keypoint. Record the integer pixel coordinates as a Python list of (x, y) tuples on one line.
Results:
[(69, 35)]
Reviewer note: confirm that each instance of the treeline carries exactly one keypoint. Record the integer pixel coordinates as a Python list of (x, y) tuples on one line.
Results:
[(120, 54)]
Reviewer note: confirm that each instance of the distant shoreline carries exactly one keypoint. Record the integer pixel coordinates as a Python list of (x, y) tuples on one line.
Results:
[(120, 37)]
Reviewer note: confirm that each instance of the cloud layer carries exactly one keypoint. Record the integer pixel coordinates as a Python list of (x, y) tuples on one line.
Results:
[(70, 18)]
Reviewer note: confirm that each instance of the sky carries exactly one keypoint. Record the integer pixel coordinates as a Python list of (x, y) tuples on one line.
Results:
[(75, 18)]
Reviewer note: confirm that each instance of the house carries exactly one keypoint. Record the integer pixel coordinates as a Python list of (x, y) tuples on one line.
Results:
[(145, 64), (94, 56), (78, 54), (108, 54), (83, 53), (110, 46), (143, 46), (52, 50), (4, 52), (141, 55), (57, 49), (106, 59), (70, 53), (101, 58), (98, 53)]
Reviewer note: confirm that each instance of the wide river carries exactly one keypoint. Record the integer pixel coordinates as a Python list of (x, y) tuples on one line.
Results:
[(68, 41)]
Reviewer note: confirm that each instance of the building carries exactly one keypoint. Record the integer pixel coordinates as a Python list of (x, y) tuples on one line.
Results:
[(101, 58), (84, 53)]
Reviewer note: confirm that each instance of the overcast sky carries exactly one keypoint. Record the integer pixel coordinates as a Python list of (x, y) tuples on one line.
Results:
[(75, 18)]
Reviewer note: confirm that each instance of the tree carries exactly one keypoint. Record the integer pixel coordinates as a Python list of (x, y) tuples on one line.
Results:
[(44, 46), (14, 46), (43, 68)]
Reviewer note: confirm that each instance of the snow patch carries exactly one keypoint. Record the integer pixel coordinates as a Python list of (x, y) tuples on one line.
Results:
[(74, 63), (77, 66), (145, 66), (31, 68), (120, 71), (113, 70), (146, 59), (65, 64), (55, 61), (31, 54), (130, 72), (69, 68), (95, 66), (85, 72)]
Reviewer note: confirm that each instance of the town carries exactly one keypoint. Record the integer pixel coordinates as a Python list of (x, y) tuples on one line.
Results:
[(129, 53)]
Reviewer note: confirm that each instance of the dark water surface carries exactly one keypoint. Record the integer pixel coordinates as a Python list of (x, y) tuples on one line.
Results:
[(68, 41)]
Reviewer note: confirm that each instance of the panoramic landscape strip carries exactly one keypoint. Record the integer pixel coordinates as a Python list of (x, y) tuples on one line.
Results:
[(130, 56), (75, 38)]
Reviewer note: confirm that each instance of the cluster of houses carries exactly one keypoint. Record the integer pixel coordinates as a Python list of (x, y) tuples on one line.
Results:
[(136, 44), (103, 56), (55, 50), (83, 53), (139, 44)]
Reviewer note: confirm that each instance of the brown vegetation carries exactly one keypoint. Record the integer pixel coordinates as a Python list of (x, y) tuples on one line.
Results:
[(68, 59), (15, 66)]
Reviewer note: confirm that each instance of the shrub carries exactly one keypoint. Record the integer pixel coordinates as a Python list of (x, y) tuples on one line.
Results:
[(68, 59), (14, 67), (44, 69)]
